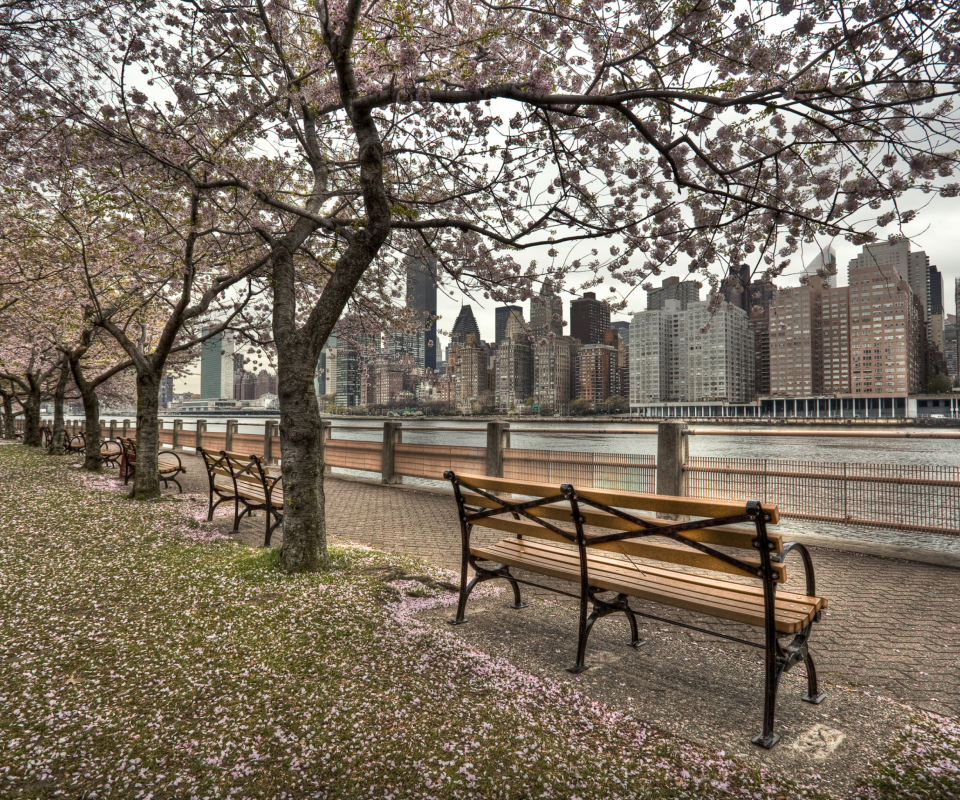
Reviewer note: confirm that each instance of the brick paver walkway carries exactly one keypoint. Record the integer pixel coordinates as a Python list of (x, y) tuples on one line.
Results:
[(893, 627)]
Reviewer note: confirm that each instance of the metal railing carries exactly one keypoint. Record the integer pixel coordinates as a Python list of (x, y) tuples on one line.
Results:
[(904, 497), (920, 498)]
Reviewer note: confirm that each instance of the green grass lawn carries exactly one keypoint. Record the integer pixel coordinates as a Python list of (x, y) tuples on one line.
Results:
[(141, 655)]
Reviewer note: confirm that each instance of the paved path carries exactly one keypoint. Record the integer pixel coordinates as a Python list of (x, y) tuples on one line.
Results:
[(893, 627)]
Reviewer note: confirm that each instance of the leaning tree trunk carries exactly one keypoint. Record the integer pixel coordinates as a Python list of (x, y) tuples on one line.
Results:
[(59, 395), (9, 421), (304, 546), (92, 432), (31, 419), (146, 481)]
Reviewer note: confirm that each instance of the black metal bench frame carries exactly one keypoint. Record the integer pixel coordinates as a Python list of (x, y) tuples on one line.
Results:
[(237, 469), (779, 658)]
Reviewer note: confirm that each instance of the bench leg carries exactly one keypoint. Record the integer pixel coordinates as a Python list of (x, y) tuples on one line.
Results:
[(483, 575), (813, 693), (768, 738)]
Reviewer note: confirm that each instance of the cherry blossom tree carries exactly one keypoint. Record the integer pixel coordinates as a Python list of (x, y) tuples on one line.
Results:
[(609, 141)]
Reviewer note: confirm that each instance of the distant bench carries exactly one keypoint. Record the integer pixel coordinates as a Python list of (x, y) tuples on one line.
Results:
[(169, 465), (247, 482), (595, 525)]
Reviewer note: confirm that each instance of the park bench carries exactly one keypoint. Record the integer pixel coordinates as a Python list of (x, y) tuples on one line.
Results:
[(111, 452), (594, 538), (74, 444), (246, 481), (46, 436), (169, 465)]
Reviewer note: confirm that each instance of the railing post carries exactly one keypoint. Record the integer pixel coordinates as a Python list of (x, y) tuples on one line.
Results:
[(231, 429), (201, 429), (177, 430), (269, 429), (392, 436), (326, 434), (126, 425), (498, 440), (113, 429), (672, 452)]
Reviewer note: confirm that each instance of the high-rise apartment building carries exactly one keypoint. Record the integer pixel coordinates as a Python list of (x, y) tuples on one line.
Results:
[(515, 327), (589, 318), (835, 315), (796, 341), (472, 375), (950, 347), (684, 292), (266, 384), (422, 297), (760, 299), (465, 325), (691, 355), (887, 336), (913, 267), (546, 311), (552, 374), (935, 314), (349, 385), (598, 373), (514, 373), (216, 367), (503, 314)]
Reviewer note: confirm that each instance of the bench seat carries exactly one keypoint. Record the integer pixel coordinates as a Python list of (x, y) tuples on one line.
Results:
[(722, 599)]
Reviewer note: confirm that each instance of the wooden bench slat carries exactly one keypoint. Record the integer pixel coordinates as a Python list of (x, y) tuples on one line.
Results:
[(723, 535), (752, 589), (663, 504), (791, 617), (662, 550)]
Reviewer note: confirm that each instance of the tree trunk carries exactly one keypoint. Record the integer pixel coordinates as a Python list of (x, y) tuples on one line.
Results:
[(301, 447), (56, 447), (31, 419), (9, 422), (91, 414), (146, 481)]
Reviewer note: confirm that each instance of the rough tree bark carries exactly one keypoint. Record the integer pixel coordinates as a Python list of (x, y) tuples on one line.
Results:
[(9, 421), (31, 416), (91, 412), (146, 482), (59, 396)]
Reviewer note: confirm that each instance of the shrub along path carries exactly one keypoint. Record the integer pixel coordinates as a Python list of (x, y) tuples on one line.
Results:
[(143, 655)]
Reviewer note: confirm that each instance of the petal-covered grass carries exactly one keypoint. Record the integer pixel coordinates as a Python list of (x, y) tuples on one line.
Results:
[(144, 655)]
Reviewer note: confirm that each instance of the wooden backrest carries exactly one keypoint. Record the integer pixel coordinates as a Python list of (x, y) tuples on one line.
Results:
[(677, 548), (166, 458)]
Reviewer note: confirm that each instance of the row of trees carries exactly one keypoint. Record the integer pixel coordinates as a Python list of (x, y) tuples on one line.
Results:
[(170, 171)]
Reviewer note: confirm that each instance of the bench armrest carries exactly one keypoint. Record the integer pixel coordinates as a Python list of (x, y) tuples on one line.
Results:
[(807, 564)]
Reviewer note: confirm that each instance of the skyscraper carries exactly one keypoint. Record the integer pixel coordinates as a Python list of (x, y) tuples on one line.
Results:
[(503, 314), (514, 373), (589, 319), (465, 325), (552, 374), (546, 311), (422, 297), (824, 266), (735, 287), (935, 313), (217, 367), (685, 292)]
